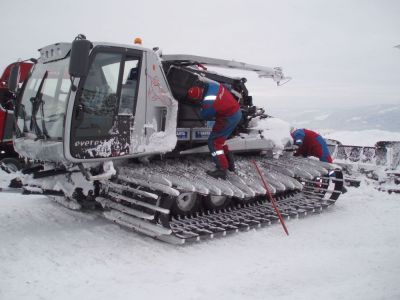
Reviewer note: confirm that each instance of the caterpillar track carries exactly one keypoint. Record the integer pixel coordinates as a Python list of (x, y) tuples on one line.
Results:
[(177, 202)]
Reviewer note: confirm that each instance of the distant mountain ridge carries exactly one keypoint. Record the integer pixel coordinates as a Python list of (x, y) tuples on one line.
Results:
[(383, 117)]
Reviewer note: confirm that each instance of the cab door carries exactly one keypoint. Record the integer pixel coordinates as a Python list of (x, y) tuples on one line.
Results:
[(105, 104)]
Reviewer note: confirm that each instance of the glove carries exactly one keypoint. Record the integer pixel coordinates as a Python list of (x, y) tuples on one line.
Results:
[(292, 148)]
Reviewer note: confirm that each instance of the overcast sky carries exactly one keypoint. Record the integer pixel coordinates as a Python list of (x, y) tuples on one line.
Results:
[(338, 52)]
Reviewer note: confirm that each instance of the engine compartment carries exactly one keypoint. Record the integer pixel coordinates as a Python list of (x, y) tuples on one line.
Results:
[(190, 126)]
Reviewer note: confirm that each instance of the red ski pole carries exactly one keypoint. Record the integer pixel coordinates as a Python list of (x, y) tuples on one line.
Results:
[(272, 198)]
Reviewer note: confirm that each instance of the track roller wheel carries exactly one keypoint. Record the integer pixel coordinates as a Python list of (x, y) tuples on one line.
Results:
[(216, 202), (185, 204)]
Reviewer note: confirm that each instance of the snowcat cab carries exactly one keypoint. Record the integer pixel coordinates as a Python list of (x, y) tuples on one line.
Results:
[(96, 116), (111, 124)]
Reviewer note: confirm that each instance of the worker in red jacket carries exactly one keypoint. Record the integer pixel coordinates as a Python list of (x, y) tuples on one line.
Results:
[(219, 104), (310, 143)]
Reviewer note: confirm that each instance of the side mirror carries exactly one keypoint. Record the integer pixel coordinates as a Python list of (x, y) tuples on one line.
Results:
[(79, 62), (13, 79)]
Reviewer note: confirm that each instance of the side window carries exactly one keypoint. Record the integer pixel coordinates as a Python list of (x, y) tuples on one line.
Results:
[(129, 85), (98, 101), (111, 72)]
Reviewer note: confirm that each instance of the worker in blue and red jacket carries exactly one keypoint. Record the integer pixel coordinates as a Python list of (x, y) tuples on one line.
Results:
[(219, 104), (310, 143)]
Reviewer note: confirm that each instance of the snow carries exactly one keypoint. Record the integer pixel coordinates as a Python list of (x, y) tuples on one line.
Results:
[(388, 110), (68, 187), (70, 254), (350, 251), (362, 137), (273, 129)]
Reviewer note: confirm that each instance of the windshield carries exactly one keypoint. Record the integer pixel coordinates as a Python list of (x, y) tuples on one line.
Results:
[(45, 97)]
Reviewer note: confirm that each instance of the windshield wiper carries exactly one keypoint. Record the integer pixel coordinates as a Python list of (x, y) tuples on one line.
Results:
[(44, 130), (17, 115), (37, 103)]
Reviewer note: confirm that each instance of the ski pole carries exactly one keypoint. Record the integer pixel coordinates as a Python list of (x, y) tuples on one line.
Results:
[(272, 198)]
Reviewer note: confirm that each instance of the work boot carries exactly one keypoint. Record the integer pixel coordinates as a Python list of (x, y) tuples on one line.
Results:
[(218, 173), (231, 162), (344, 190)]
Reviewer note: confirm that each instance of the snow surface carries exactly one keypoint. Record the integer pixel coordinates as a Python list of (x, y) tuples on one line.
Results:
[(362, 137), (351, 251), (365, 117)]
